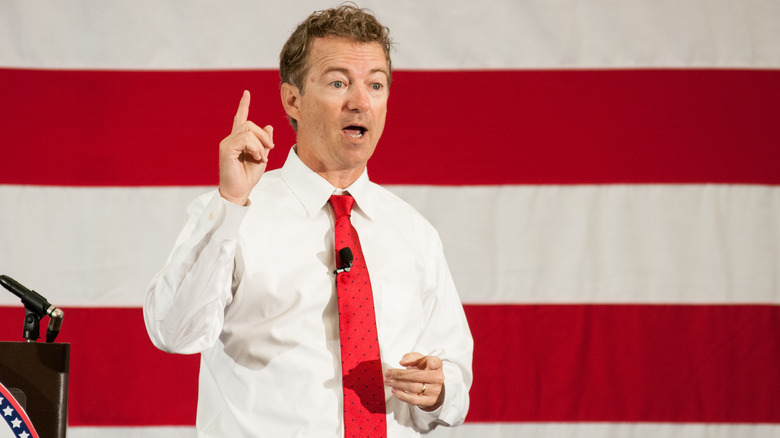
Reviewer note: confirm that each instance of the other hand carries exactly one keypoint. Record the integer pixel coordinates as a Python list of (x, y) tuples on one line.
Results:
[(421, 383)]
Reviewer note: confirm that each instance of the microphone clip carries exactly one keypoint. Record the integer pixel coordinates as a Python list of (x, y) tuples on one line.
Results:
[(346, 258)]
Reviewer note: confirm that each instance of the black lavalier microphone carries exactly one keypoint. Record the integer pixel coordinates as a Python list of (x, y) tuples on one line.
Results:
[(346, 258), (36, 306)]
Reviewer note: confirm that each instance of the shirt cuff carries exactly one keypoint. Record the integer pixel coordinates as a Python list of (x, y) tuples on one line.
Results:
[(225, 217)]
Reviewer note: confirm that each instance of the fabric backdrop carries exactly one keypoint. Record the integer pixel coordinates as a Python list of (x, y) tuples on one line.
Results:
[(605, 176)]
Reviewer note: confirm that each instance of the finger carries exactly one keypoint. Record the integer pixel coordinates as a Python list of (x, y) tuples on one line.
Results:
[(407, 374), (242, 114), (416, 360), (406, 397), (249, 138), (432, 363), (415, 397), (403, 378), (243, 145), (255, 150), (265, 135), (270, 131), (413, 386), (410, 359)]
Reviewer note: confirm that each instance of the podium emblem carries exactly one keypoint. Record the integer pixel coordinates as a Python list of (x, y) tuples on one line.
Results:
[(15, 423)]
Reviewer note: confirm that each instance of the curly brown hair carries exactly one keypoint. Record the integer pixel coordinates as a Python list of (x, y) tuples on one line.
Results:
[(347, 21)]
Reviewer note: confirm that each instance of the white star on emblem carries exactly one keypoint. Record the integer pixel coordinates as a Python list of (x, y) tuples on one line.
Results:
[(24, 435), (1, 400), (16, 423), (8, 411)]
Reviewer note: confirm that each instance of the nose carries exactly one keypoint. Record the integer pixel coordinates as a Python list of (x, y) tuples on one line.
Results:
[(358, 99)]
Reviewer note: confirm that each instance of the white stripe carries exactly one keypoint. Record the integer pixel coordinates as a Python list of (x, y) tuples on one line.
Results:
[(504, 244), (501, 430), (608, 244), (452, 34), (88, 246)]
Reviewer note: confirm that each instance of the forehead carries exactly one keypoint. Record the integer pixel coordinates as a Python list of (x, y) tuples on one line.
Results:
[(330, 53)]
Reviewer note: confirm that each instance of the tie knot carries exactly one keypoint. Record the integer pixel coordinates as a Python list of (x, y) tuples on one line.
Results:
[(342, 205)]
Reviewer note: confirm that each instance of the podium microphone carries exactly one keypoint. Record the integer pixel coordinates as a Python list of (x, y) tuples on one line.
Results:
[(35, 303)]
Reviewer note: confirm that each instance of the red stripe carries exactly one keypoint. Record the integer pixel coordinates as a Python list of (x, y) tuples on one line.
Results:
[(646, 363), (668, 363), (476, 127), (117, 377)]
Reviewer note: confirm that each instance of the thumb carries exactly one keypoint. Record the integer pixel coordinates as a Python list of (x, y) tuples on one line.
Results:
[(411, 359)]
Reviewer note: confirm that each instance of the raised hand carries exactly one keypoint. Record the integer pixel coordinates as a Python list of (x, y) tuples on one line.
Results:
[(243, 155)]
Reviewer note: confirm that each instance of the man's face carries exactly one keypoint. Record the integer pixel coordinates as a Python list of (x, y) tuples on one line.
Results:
[(341, 113)]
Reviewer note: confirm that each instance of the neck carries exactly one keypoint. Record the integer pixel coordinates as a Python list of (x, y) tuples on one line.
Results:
[(339, 177)]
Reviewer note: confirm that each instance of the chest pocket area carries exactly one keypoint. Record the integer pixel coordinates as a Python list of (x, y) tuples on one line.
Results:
[(400, 318)]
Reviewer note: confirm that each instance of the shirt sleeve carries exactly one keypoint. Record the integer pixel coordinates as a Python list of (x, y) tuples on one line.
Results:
[(185, 304), (446, 335)]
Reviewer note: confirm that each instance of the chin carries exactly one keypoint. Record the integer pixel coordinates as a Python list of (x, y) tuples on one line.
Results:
[(355, 157)]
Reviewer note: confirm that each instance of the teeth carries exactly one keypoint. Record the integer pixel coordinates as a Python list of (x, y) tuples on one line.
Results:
[(354, 132)]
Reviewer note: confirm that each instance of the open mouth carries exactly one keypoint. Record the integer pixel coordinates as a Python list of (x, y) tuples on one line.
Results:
[(354, 131)]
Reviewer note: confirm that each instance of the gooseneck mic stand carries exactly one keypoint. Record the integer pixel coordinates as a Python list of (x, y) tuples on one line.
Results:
[(35, 308)]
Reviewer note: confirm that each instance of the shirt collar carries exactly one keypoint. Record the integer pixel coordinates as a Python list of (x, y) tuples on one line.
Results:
[(313, 191)]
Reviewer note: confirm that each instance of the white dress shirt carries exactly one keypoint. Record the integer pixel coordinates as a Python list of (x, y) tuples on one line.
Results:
[(253, 290)]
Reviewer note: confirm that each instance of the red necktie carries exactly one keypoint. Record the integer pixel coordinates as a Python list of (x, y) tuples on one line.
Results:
[(361, 367)]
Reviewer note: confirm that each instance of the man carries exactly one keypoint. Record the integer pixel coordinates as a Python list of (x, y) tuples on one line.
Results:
[(255, 285)]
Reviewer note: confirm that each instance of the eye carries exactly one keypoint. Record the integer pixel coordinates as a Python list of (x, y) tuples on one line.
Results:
[(376, 86), (337, 84)]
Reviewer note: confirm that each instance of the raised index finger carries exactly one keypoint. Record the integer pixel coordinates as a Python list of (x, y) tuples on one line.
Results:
[(243, 110)]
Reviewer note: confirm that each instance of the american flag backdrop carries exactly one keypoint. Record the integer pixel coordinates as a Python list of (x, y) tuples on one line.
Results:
[(605, 176)]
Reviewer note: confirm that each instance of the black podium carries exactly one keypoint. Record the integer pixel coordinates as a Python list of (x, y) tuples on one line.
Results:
[(40, 371)]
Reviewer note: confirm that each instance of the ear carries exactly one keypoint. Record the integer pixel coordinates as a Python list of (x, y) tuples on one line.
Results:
[(291, 98)]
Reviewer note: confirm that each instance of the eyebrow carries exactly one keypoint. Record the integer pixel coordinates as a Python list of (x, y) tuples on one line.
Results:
[(345, 71)]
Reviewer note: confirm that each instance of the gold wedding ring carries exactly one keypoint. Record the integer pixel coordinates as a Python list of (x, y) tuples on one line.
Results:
[(423, 390)]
